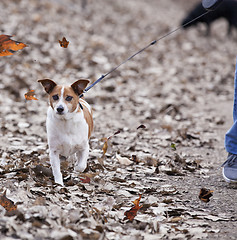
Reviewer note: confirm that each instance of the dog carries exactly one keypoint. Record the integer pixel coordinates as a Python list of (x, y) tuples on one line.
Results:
[(226, 10), (69, 125)]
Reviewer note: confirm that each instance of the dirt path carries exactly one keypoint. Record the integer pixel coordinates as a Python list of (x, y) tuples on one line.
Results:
[(181, 90)]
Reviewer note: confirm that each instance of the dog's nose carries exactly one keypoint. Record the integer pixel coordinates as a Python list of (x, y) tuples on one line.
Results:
[(60, 109)]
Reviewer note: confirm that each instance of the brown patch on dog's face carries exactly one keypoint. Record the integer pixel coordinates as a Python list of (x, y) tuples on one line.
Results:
[(71, 99), (54, 96), (64, 98)]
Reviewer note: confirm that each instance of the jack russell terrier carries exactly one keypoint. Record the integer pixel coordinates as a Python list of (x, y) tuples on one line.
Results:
[(69, 125)]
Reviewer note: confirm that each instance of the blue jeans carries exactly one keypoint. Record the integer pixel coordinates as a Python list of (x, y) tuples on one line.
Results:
[(231, 135)]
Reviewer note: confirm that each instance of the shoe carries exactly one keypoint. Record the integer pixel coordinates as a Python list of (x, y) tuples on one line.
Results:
[(230, 168)]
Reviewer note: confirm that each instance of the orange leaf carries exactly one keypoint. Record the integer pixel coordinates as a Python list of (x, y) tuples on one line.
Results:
[(131, 214), (205, 194), (8, 46), (137, 201), (105, 146), (30, 95), (64, 43), (7, 203)]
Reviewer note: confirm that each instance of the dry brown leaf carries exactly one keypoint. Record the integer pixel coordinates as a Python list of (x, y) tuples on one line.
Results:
[(7, 203), (8, 46), (175, 219), (131, 214), (141, 126), (64, 43), (205, 194)]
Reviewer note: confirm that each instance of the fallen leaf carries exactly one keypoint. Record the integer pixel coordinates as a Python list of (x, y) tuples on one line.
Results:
[(18, 215), (175, 219), (41, 171), (131, 214), (40, 201), (141, 126), (85, 180), (7, 203), (30, 95), (8, 46), (205, 194), (64, 43), (135, 159), (123, 160)]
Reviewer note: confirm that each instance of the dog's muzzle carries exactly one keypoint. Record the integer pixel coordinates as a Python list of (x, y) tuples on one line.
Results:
[(60, 109)]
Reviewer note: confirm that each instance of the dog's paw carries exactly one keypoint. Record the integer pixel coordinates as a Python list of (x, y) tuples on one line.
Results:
[(59, 181), (80, 167)]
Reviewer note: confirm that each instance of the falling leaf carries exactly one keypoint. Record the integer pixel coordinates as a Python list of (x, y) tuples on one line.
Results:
[(64, 43), (8, 46), (30, 95), (141, 126), (131, 214), (205, 194), (7, 203), (85, 180)]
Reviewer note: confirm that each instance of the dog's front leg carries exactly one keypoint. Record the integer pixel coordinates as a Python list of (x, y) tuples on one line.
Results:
[(55, 164), (81, 159)]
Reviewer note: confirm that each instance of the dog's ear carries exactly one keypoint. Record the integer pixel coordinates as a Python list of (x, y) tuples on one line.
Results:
[(79, 86), (48, 85)]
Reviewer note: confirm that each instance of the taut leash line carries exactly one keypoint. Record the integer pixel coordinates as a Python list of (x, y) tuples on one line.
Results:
[(151, 44)]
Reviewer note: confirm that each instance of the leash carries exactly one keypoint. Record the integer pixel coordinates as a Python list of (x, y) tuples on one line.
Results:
[(146, 47)]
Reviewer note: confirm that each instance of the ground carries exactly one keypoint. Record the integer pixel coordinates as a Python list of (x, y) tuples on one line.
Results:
[(179, 92)]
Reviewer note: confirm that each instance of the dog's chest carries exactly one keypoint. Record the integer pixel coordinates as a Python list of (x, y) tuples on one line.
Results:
[(67, 136)]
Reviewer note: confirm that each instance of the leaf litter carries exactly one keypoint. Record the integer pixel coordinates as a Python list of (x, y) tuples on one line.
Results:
[(176, 101)]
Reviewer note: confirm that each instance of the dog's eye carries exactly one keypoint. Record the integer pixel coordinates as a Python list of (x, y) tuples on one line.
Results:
[(55, 97), (69, 98)]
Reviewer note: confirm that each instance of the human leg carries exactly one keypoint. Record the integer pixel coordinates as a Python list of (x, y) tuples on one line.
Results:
[(230, 165)]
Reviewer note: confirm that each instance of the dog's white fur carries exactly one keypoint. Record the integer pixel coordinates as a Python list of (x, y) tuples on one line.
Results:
[(68, 130)]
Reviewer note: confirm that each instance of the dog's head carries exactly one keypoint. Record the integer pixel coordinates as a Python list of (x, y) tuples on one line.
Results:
[(64, 100)]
